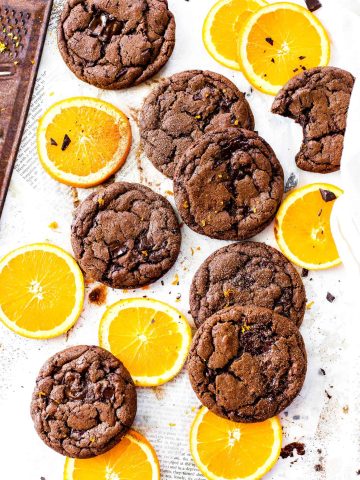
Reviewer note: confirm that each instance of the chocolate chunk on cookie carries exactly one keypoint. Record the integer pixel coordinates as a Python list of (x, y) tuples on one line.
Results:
[(318, 99), (247, 364), (228, 184), (185, 106), (247, 273), (116, 44), (125, 236), (84, 401)]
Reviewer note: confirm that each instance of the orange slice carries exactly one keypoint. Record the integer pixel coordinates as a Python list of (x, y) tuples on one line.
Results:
[(279, 41), (41, 291), (225, 450), (151, 338), (302, 227), (83, 141), (132, 459), (222, 27)]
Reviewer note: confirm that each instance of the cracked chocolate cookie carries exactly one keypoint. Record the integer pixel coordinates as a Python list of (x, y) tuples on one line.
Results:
[(125, 236), (318, 99), (247, 364), (116, 44), (247, 273), (185, 106), (228, 184), (84, 401)]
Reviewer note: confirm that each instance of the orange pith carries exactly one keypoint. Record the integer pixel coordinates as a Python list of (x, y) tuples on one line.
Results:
[(82, 141), (222, 28), (151, 339), (280, 41), (225, 450), (302, 227), (132, 459), (41, 291)]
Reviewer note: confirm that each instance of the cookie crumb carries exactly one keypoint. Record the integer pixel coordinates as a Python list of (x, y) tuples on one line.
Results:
[(313, 5), (288, 450), (318, 468), (98, 295), (330, 297), (322, 371)]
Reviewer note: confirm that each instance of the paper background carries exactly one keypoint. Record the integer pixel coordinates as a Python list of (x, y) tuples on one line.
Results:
[(329, 427)]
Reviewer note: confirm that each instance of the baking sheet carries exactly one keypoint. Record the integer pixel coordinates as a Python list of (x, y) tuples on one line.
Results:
[(323, 417)]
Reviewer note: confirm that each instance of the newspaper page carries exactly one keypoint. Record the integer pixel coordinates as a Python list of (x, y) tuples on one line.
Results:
[(323, 417)]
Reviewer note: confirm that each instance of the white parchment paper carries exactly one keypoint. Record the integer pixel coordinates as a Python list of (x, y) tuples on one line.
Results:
[(324, 417)]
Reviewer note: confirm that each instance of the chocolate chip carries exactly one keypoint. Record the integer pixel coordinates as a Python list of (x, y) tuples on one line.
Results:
[(313, 5), (269, 40), (108, 392), (66, 142), (291, 182), (304, 272), (53, 142), (330, 297), (327, 196)]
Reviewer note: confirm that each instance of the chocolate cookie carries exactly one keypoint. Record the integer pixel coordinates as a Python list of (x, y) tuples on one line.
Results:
[(125, 236), (115, 44), (84, 401), (318, 99), (247, 364), (228, 184), (185, 106), (247, 273)]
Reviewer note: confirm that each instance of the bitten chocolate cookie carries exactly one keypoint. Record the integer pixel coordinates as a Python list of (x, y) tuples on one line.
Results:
[(247, 273), (247, 364), (125, 236), (115, 44), (318, 99), (84, 401), (185, 106), (228, 184)]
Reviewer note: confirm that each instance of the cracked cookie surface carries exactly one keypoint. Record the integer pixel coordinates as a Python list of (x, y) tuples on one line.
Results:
[(125, 236), (247, 273), (185, 106), (228, 184), (318, 100), (116, 44), (247, 364), (84, 401)]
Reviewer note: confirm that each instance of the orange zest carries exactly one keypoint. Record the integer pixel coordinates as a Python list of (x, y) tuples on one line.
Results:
[(82, 141), (225, 450), (132, 459), (41, 291), (222, 27), (151, 338), (280, 41), (302, 227)]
